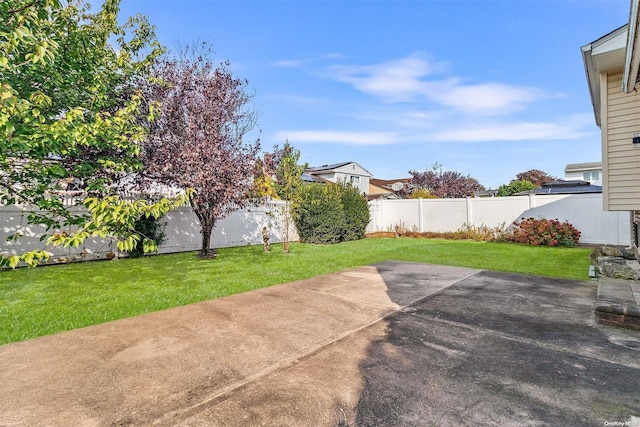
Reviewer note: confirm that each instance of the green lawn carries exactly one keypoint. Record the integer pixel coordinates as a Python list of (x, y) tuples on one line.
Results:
[(49, 299)]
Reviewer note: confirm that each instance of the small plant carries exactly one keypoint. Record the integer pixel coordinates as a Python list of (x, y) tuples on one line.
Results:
[(482, 233), (149, 228), (548, 232)]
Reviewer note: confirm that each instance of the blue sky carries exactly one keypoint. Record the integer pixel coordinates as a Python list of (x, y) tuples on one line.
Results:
[(485, 88)]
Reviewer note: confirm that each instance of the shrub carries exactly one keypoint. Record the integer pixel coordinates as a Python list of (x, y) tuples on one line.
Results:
[(330, 213), (482, 233), (356, 213), (515, 187), (318, 214), (421, 193), (151, 228), (549, 232)]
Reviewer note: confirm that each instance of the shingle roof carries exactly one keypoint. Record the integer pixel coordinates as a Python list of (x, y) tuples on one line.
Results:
[(327, 167), (575, 167), (564, 187)]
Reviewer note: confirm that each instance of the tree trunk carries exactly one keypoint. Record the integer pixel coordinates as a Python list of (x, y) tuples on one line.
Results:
[(287, 219), (206, 228), (205, 252)]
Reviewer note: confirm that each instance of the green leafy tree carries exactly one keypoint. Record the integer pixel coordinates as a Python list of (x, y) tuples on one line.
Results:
[(288, 182), (515, 187), (69, 110)]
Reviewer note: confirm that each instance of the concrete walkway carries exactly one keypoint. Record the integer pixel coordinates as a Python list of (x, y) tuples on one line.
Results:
[(391, 344)]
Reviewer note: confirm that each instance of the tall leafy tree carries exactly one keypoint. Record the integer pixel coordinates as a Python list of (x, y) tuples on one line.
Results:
[(198, 139), (69, 110), (534, 176), (288, 182), (443, 184)]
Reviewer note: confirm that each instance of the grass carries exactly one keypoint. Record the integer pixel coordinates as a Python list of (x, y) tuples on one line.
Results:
[(49, 299)]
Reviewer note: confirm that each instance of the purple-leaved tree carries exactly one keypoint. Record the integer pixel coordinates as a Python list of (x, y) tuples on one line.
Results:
[(443, 184), (197, 140)]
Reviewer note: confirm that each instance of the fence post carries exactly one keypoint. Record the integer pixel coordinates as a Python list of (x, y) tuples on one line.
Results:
[(469, 211), (420, 216)]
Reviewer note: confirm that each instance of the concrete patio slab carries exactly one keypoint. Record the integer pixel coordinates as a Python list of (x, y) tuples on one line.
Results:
[(392, 344), (156, 367)]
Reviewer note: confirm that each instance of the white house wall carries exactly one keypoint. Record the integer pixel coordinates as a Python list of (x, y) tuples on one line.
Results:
[(343, 173)]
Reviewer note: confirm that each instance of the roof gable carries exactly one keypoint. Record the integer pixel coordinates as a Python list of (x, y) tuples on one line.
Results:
[(605, 54), (579, 167), (346, 167)]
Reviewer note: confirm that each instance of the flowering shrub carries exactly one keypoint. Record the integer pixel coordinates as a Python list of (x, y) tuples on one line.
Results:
[(550, 232)]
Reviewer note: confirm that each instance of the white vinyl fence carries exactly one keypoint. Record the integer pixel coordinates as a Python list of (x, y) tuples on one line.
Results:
[(182, 230), (244, 227), (584, 211)]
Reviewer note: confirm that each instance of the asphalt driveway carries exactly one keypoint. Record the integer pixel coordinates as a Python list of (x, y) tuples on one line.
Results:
[(395, 344)]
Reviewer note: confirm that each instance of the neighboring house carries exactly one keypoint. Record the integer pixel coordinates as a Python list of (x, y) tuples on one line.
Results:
[(590, 172), (347, 172), (385, 188), (612, 63), (560, 186), (486, 193)]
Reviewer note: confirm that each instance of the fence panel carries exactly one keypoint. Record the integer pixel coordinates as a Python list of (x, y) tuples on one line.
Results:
[(243, 227), (584, 211)]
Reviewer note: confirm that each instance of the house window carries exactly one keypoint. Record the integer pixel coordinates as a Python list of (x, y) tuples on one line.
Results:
[(591, 176), (355, 180)]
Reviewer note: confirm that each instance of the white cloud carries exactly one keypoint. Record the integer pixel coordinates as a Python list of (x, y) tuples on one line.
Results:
[(448, 131), (294, 63), (395, 81), (410, 79), (288, 63), (516, 131), (336, 137), (482, 98)]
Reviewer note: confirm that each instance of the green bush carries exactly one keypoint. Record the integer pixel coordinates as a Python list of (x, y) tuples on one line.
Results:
[(549, 232), (330, 213), (356, 213), (150, 228), (318, 214), (515, 187)]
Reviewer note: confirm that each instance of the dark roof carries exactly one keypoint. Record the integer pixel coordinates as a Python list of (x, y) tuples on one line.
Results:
[(561, 186), (327, 167)]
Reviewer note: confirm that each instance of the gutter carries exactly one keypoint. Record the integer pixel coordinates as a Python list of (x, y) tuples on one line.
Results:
[(632, 58), (594, 86)]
